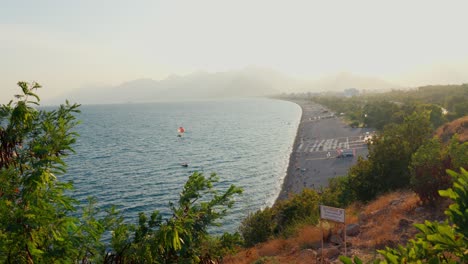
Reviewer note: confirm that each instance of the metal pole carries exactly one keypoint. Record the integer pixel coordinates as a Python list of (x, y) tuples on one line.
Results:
[(321, 227), (344, 231)]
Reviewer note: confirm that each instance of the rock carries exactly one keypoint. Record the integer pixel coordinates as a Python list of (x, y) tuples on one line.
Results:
[(404, 223), (419, 209), (352, 230), (335, 239), (308, 254), (362, 218), (315, 244), (404, 238), (376, 213), (329, 253)]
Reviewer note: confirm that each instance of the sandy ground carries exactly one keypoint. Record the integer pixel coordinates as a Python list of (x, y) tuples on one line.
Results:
[(314, 157)]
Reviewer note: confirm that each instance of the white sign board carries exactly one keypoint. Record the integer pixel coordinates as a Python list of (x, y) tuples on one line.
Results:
[(332, 213)]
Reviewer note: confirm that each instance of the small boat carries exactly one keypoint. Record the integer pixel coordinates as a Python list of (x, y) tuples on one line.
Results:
[(181, 131), (185, 164)]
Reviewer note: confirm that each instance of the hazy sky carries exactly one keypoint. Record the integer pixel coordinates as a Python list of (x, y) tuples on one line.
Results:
[(71, 44)]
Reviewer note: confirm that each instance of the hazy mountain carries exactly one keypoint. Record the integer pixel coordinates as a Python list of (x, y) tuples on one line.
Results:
[(249, 82), (201, 85)]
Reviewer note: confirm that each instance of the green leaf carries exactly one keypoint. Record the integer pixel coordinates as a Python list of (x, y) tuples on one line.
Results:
[(357, 260)]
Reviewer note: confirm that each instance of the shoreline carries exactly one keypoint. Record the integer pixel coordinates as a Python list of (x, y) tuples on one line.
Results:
[(313, 160)]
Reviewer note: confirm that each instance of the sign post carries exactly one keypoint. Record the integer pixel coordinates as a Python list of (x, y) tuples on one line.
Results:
[(336, 215)]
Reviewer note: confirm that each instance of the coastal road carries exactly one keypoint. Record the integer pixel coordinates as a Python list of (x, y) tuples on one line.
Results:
[(319, 138)]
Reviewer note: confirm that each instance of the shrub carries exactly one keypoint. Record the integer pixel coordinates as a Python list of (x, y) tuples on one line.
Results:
[(215, 248), (281, 219), (300, 209), (181, 238), (338, 193), (258, 227), (428, 166)]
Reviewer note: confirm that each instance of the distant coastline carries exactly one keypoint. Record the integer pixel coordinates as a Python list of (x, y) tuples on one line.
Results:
[(313, 160)]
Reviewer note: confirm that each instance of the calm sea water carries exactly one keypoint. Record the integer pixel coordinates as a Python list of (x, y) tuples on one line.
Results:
[(129, 155)]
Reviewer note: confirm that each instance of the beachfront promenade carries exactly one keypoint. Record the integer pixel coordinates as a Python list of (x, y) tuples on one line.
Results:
[(319, 138)]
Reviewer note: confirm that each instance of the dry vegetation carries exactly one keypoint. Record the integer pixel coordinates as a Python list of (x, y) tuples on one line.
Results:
[(458, 126), (387, 221)]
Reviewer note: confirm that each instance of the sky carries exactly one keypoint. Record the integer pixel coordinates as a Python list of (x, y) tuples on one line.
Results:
[(67, 44)]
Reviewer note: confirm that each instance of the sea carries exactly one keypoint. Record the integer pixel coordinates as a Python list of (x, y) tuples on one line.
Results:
[(130, 155)]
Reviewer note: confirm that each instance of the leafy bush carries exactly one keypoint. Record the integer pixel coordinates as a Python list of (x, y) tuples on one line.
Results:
[(299, 209), (338, 193), (183, 237), (258, 227), (458, 153), (35, 222), (386, 168), (213, 249), (428, 166), (363, 180), (430, 163), (282, 218)]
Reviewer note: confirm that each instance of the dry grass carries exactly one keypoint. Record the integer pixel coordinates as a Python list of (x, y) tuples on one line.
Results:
[(308, 237), (387, 221), (458, 126), (273, 247), (352, 213), (384, 202), (282, 250), (246, 256), (381, 221)]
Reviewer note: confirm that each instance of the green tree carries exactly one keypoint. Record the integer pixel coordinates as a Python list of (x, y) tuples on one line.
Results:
[(458, 153), (428, 166), (35, 225), (363, 182), (180, 238), (338, 193), (378, 113), (389, 157)]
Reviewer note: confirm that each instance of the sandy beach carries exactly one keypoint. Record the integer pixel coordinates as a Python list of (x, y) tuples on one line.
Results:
[(314, 160)]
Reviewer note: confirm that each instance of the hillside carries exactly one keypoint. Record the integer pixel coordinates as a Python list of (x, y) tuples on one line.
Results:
[(458, 126), (387, 221), (196, 86), (248, 82)]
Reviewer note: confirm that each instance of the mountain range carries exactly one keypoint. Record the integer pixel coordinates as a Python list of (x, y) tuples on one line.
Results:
[(249, 82)]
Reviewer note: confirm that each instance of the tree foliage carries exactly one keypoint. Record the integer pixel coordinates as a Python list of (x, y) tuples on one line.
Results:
[(338, 193), (428, 166), (180, 238), (389, 156), (281, 219), (35, 224)]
